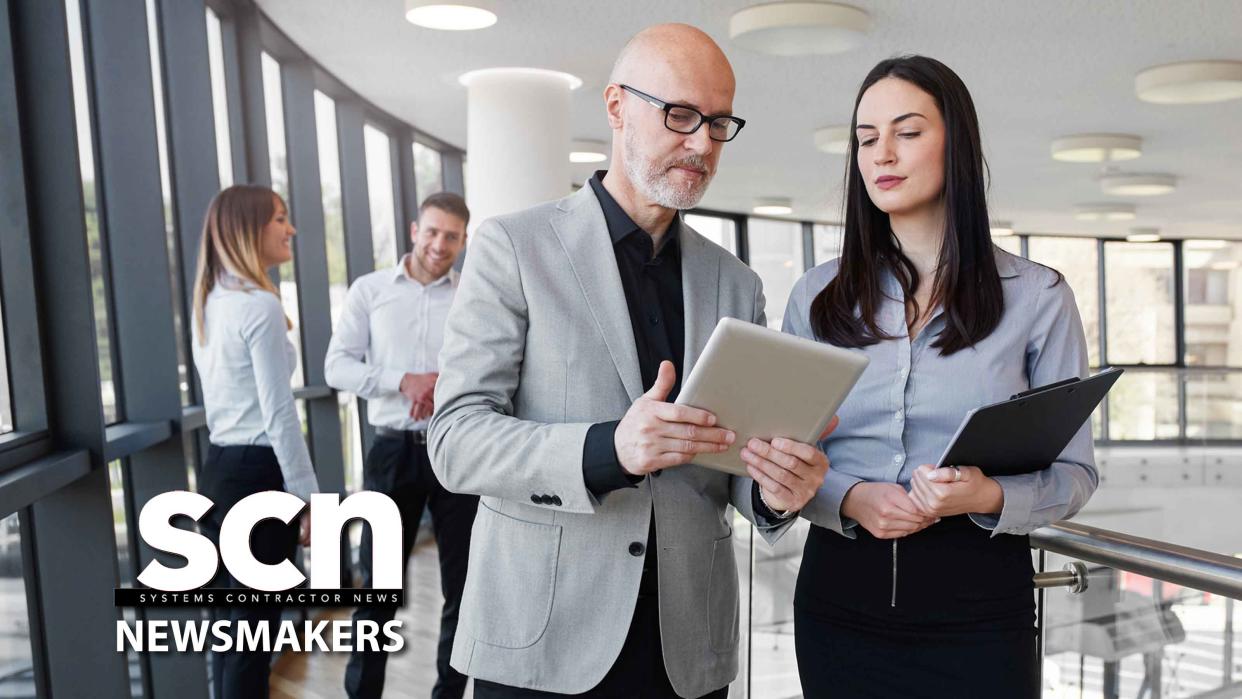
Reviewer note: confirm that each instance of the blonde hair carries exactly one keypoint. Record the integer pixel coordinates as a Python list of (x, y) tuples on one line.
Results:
[(230, 244)]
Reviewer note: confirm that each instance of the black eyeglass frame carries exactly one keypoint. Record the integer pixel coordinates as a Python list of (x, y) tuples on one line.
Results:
[(668, 107)]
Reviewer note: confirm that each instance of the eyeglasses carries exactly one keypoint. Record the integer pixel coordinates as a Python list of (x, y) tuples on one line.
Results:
[(687, 120)]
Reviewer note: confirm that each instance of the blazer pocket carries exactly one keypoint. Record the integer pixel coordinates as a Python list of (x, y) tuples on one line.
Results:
[(722, 591), (507, 600)]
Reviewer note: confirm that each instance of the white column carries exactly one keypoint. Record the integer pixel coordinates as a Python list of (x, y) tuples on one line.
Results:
[(517, 139)]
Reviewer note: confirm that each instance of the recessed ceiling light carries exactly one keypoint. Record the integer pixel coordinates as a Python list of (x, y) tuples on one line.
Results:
[(774, 206), (833, 139), (1001, 229), (1144, 235), (1104, 212), (587, 151), (1097, 148), (1192, 82), (449, 16), (573, 81), (1138, 185), (1206, 244), (799, 28)]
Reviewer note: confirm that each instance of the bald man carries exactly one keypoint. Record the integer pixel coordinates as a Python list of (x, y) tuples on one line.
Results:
[(601, 559)]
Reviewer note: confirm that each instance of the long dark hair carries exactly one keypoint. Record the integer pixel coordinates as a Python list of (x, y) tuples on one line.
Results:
[(967, 283)]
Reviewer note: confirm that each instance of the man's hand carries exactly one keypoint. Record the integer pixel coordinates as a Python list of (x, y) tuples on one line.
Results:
[(654, 434), (788, 472), (420, 390), (886, 510), (941, 492)]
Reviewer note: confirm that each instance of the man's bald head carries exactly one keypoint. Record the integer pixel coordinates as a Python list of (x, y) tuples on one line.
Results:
[(666, 49)]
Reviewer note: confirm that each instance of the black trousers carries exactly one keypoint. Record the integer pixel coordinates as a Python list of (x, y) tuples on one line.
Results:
[(638, 671), (400, 469), (230, 474)]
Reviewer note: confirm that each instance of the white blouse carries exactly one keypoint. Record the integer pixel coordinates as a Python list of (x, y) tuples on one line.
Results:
[(245, 366)]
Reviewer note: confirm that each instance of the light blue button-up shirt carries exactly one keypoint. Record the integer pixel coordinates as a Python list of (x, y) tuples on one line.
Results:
[(910, 400)]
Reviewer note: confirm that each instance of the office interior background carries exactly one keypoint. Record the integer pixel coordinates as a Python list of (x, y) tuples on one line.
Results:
[(120, 119)]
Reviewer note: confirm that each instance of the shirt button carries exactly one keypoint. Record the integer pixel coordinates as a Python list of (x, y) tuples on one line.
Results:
[(897, 415), (655, 319), (898, 459), (637, 548)]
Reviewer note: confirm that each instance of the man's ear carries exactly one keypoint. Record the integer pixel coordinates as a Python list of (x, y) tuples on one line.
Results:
[(413, 231), (612, 105)]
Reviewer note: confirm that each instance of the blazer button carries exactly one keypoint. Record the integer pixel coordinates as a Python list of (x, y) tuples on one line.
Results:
[(556, 500), (637, 548), (536, 499)]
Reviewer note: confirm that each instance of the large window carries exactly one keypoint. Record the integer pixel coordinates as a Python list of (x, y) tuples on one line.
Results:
[(1143, 405), (94, 238), (16, 661), (428, 170), (776, 254), (1139, 314), (1213, 280), (380, 193), (721, 231), (279, 163), (827, 242), (1009, 243), (1078, 260), (219, 98)]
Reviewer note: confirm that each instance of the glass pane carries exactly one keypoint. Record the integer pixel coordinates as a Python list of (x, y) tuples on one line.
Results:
[(6, 407), (219, 98), (86, 161), (1078, 260), (1139, 277), (774, 666), (1128, 635), (170, 233), (1009, 243), (1213, 278), (125, 561), (721, 231), (1143, 405), (828, 240), (16, 658), (776, 254), (428, 171), (379, 191), (1213, 405), (275, 112)]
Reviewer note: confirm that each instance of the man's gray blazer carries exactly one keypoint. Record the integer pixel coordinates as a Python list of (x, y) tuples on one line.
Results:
[(538, 347)]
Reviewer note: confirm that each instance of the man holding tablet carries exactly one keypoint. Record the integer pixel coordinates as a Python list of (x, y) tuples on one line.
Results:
[(573, 325)]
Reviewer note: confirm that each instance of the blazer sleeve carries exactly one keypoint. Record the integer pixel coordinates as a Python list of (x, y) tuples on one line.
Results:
[(476, 443)]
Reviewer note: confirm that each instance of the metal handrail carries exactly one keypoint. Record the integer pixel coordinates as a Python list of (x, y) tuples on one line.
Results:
[(1181, 565)]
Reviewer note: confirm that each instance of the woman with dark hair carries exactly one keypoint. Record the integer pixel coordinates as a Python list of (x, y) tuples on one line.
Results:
[(950, 323), (244, 359)]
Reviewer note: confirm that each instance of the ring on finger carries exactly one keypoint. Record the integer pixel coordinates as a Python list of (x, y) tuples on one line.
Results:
[(957, 474)]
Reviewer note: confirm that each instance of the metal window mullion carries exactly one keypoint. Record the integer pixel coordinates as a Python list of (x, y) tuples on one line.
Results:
[(405, 194), (454, 175), (244, 28), (742, 227), (808, 246), (1102, 313)]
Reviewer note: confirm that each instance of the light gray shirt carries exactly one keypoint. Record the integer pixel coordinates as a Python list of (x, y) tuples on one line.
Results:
[(391, 324), (910, 400), (245, 365)]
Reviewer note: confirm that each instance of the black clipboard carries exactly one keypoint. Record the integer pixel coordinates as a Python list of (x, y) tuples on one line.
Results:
[(1030, 430)]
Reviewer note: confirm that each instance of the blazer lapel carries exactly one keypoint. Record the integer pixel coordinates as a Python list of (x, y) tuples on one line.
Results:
[(700, 290), (583, 234)]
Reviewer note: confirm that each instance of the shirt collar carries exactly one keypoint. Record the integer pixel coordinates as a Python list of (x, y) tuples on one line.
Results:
[(620, 225), (400, 272)]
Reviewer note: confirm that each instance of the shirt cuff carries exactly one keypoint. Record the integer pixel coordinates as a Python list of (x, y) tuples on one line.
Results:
[(764, 515), (601, 469), (1015, 514), (825, 509), (390, 380)]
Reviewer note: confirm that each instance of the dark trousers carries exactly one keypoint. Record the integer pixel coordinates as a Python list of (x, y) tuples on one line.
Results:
[(638, 671), (230, 474), (400, 469)]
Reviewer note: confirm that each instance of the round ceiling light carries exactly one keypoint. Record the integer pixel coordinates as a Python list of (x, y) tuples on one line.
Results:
[(799, 28), (1138, 185), (1104, 212), (1001, 229), (1097, 148), (1193, 82), (573, 81), (449, 16), (834, 140), (1144, 235), (587, 151), (774, 206)]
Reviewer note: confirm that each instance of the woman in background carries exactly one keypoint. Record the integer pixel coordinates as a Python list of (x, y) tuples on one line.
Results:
[(949, 323), (244, 361)]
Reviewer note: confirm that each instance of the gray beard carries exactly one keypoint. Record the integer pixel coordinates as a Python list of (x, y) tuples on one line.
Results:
[(652, 181)]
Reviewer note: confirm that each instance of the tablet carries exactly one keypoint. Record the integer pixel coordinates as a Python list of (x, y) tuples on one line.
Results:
[(764, 383), (1030, 430)]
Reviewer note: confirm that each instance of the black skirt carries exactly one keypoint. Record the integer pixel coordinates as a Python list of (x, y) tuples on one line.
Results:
[(957, 619)]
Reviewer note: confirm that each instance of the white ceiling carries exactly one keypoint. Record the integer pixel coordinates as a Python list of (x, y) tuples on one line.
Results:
[(1037, 70)]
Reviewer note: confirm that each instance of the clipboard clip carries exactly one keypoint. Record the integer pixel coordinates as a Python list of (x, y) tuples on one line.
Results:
[(1040, 389)]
